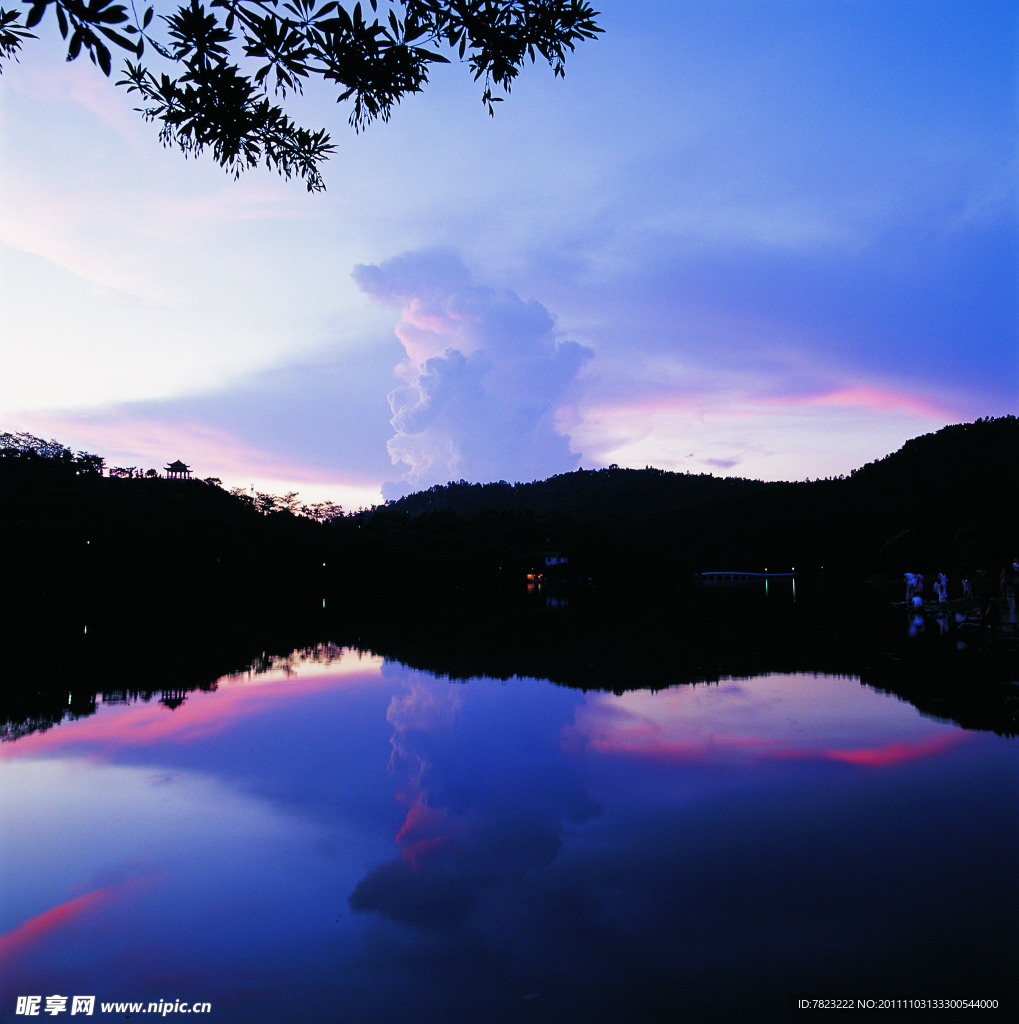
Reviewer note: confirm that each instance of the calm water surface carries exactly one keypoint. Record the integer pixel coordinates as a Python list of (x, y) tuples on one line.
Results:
[(345, 838)]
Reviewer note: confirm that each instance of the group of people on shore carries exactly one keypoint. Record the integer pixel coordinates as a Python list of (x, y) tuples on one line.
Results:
[(914, 589), (1009, 579)]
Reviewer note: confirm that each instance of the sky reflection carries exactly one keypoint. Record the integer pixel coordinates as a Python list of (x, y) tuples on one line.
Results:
[(366, 838), (769, 716), (199, 717)]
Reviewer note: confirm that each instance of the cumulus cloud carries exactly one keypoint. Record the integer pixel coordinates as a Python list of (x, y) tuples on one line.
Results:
[(484, 377)]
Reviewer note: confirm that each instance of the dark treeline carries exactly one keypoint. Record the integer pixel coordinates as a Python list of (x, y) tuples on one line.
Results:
[(577, 636), (944, 500), (141, 584), (77, 539)]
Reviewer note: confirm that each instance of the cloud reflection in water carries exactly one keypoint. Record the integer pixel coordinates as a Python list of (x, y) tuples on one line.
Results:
[(614, 857), (487, 799)]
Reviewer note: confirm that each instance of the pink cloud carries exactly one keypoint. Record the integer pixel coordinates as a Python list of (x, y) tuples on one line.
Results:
[(646, 744), (878, 398), (672, 751), (620, 732), (718, 726), (200, 716), (214, 448), (697, 406), (211, 451), (425, 831), (35, 929), (894, 753)]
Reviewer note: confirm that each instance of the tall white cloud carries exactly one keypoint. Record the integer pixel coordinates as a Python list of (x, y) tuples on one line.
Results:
[(484, 376)]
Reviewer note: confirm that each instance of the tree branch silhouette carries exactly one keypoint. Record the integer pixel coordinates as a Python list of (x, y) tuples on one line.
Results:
[(237, 58)]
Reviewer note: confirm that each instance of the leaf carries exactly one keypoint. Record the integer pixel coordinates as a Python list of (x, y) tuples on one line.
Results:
[(147, 18), (35, 15), (117, 38), (104, 57), (62, 21)]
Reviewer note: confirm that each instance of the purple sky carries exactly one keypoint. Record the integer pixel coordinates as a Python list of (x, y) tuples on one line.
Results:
[(763, 239)]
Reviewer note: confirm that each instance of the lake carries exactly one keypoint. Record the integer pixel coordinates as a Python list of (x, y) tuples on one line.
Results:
[(338, 835)]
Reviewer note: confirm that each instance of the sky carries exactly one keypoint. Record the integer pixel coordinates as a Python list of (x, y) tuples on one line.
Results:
[(764, 239)]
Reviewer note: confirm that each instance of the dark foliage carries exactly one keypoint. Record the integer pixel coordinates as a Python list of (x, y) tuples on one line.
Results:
[(51, 454), (189, 581), (232, 55), (944, 500), (585, 638)]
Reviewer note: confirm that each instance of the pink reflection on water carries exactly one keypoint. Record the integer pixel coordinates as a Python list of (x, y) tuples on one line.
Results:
[(893, 753), (203, 713), (746, 721), (427, 831), (35, 929)]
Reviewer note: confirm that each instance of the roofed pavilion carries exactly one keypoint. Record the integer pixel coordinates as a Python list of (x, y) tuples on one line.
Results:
[(178, 471)]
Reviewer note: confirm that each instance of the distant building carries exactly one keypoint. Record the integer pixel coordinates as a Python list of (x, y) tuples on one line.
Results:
[(178, 471)]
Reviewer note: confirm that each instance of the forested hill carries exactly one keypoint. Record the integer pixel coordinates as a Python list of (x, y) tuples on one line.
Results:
[(972, 453), (963, 464), (944, 500), (74, 536), (587, 494)]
